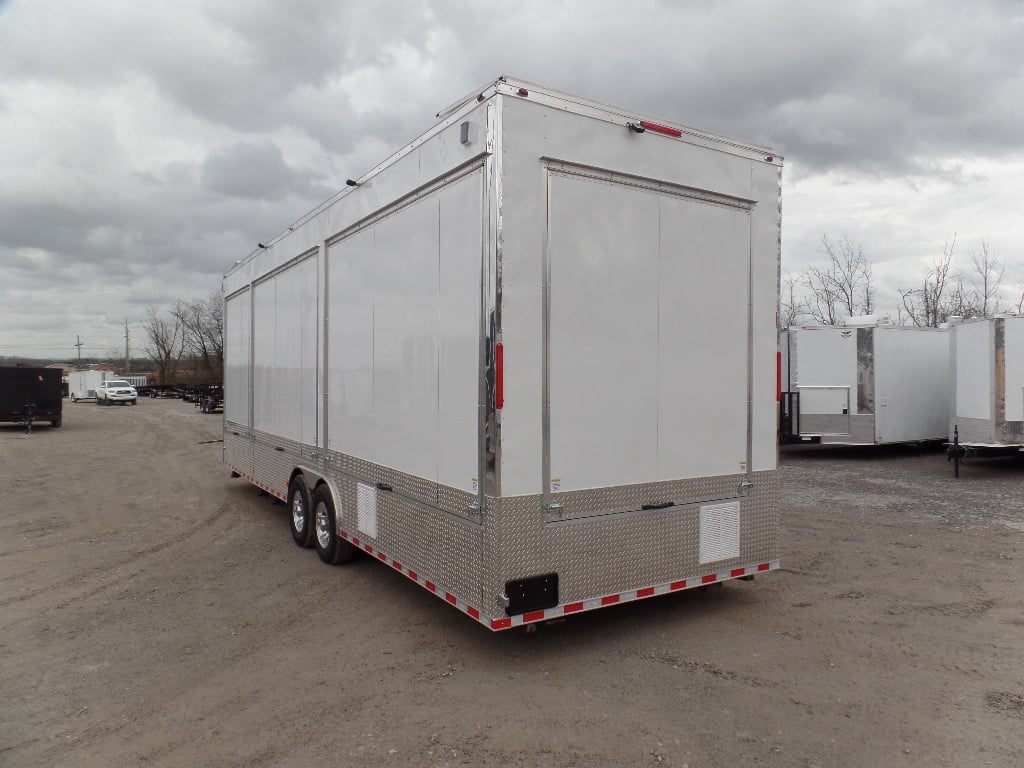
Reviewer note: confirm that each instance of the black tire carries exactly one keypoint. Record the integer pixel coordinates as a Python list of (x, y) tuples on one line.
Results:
[(332, 549), (300, 512), (135, 402), (56, 422)]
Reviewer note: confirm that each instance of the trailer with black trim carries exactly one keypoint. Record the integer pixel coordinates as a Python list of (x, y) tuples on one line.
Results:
[(528, 361)]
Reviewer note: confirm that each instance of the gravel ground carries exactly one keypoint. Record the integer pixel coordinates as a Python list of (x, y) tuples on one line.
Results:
[(155, 612)]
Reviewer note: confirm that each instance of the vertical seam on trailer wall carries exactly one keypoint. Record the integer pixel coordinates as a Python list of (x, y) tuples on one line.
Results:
[(251, 373), (323, 365), (489, 318), (657, 361), (373, 330), (750, 343), (546, 345), (439, 361)]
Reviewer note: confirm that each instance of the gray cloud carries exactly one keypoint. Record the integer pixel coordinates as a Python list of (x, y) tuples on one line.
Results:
[(149, 146)]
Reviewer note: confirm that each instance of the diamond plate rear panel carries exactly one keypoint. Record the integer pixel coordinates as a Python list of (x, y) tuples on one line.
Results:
[(862, 432), (605, 554), (974, 430)]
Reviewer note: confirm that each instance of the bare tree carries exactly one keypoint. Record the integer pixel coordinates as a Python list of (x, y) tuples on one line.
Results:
[(202, 325), (940, 295), (165, 342), (842, 288), (791, 306), (988, 274)]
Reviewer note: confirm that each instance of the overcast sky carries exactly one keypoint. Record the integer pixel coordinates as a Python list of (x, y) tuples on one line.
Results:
[(146, 146)]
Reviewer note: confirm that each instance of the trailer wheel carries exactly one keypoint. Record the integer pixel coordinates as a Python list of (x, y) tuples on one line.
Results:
[(332, 548), (300, 512)]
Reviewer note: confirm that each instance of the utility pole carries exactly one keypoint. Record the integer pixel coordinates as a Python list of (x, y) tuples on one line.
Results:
[(78, 343), (127, 365)]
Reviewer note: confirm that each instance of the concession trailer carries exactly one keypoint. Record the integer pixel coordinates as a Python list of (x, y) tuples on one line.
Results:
[(528, 361), (864, 383), (987, 355)]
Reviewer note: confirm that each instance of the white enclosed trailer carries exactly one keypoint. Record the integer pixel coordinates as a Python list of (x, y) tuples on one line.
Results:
[(988, 384), (864, 383), (528, 361), (82, 384)]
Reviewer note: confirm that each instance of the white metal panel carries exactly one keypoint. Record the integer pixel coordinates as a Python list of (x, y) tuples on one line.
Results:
[(1013, 337), (826, 369), (350, 415), (237, 352), (974, 369), (911, 384), (284, 353), (405, 317), (702, 355), (604, 333), (765, 252), (403, 336), (461, 243)]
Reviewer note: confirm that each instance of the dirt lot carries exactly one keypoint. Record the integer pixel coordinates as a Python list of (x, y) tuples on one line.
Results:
[(155, 612)]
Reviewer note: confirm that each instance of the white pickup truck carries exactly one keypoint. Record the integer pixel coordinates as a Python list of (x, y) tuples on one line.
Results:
[(115, 391)]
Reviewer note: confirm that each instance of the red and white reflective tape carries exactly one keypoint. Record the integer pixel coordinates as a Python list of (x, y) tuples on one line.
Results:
[(590, 604), (257, 483)]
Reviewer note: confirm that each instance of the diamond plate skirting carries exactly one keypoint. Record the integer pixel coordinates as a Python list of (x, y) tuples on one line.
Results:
[(237, 446), (602, 543), (862, 432)]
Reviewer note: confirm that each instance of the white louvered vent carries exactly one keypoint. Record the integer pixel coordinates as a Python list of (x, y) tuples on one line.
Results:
[(366, 512), (719, 531)]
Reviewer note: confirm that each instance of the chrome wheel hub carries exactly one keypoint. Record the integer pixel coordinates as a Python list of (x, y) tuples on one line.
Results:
[(323, 526)]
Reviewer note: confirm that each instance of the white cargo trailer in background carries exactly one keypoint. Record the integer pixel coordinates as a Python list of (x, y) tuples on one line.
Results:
[(988, 385), (82, 384), (864, 383), (528, 361)]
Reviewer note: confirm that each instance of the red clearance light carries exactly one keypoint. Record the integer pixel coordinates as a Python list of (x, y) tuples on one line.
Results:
[(499, 375), (778, 377), (480, 97), (523, 92), (675, 132)]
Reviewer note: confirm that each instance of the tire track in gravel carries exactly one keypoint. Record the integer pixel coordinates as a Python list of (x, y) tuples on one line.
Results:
[(203, 526)]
